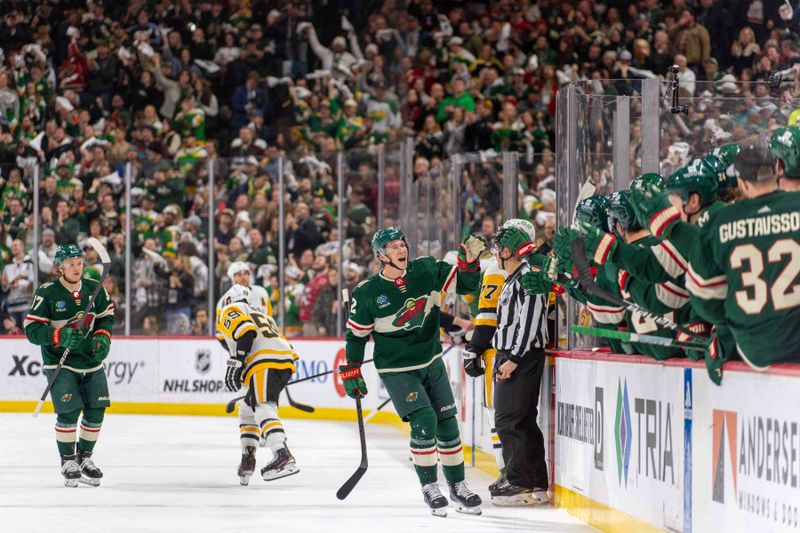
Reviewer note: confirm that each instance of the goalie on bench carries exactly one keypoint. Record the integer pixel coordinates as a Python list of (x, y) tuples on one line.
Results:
[(263, 361)]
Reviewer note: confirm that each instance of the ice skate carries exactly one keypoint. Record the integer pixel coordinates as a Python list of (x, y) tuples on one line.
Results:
[(70, 470), (467, 502), (282, 465), (90, 474), (498, 481), (509, 495), (435, 499), (248, 465)]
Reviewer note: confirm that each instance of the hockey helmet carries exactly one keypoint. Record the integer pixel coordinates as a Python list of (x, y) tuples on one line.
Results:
[(384, 236), (785, 145), (620, 209), (67, 251), (697, 177), (236, 267), (726, 153), (643, 182), (720, 171), (594, 211), (524, 225), (513, 237), (237, 293)]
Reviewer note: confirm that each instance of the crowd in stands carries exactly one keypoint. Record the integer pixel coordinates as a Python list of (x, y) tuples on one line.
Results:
[(168, 90)]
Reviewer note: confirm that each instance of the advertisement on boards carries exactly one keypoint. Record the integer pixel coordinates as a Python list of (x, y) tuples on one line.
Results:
[(620, 437), (746, 466)]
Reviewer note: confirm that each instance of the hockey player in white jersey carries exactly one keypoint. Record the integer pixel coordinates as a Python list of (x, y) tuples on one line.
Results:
[(261, 361), (239, 273)]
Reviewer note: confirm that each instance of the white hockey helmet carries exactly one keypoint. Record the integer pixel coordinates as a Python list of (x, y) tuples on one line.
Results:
[(236, 267), (237, 293), (523, 225)]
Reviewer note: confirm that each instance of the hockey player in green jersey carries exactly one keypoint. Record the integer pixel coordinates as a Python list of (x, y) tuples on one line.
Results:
[(56, 322), (399, 307), (668, 298), (785, 147), (743, 270)]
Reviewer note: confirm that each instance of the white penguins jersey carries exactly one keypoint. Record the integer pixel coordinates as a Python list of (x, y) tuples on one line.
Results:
[(259, 298)]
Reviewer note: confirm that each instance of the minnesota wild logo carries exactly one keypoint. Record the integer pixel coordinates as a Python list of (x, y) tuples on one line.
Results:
[(412, 314)]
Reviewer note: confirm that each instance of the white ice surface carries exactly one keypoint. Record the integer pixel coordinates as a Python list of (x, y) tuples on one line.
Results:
[(173, 473)]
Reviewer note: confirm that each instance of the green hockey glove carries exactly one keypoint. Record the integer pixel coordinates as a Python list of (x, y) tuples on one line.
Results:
[(654, 211), (66, 337), (701, 329), (469, 252), (102, 344), (599, 244), (354, 384), (535, 282), (561, 243)]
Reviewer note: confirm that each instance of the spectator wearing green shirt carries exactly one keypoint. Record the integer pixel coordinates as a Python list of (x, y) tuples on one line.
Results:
[(460, 98)]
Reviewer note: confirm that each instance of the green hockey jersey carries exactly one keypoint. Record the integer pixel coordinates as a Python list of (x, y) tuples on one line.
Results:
[(744, 269), (667, 259), (668, 299), (402, 315), (55, 306)]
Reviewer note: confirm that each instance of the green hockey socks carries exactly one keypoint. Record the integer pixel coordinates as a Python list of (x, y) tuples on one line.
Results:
[(67, 428), (451, 454), (91, 423), (433, 441)]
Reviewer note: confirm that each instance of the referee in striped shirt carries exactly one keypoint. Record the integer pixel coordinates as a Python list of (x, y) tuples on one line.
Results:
[(519, 339)]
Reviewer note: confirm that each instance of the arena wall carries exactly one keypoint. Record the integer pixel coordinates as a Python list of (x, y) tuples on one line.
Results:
[(634, 444)]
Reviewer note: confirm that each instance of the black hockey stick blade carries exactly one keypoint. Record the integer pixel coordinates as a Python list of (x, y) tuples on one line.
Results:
[(298, 405), (588, 283), (231, 405), (350, 484)]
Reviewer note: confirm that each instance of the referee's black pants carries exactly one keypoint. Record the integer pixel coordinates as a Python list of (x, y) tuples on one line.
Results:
[(515, 403)]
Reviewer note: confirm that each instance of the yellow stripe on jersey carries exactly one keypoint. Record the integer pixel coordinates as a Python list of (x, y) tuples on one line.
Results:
[(288, 365), (279, 353)]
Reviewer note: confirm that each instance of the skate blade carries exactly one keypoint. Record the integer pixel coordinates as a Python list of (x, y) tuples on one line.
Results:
[(244, 480), (475, 511), (92, 482), (288, 471), (441, 512), (71, 482), (520, 500)]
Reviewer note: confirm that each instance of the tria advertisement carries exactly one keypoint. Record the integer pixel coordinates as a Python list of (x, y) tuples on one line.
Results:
[(619, 437)]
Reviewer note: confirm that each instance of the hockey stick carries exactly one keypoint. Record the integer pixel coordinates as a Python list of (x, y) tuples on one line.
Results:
[(229, 407), (350, 484), (376, 411), (590, 285), (106, 260), (627, 336), (297, 405)]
